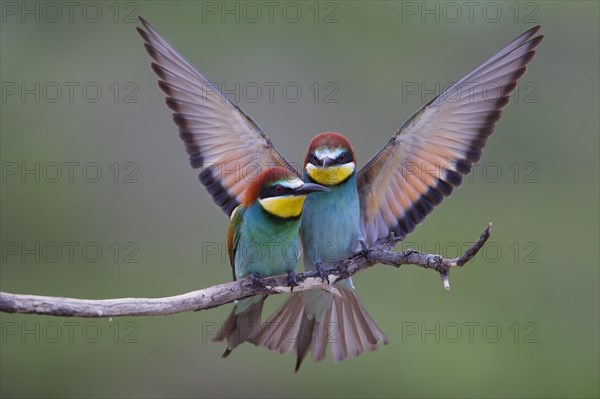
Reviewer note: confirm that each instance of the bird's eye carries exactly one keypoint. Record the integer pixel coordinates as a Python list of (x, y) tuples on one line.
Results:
[(279, 189), (342, 158), (313, 159)]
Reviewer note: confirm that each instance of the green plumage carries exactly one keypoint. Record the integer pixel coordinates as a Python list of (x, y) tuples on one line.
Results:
[(263, 244)]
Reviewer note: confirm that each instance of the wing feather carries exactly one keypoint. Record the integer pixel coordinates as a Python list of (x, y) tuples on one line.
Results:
[(427, 157), (221, 140)]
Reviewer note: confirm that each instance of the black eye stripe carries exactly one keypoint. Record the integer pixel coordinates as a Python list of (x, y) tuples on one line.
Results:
[(341, 159), (274, 191)]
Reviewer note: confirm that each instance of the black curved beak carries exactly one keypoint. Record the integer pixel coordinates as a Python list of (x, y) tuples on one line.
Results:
[(308, 188)]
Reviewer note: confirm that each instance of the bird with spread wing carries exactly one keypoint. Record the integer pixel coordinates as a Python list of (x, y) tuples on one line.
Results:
[(422, 163)]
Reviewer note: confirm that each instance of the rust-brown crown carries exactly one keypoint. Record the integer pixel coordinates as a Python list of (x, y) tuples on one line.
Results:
[(266, 179), (328, 140)]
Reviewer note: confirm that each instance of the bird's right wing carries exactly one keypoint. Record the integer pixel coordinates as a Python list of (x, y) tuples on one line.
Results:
[(222, 140)]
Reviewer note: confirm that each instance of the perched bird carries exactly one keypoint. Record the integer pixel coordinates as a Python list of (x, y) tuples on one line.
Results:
[(392, 193), (330, 232), (421, 164), (263, 241)]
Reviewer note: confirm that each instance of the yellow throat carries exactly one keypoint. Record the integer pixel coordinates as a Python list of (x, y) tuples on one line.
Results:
[(330, 175), (286, 206)]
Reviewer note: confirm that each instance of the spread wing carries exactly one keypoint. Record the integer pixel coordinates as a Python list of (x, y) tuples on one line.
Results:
[(221, 140), (427, 157), (233, 235)]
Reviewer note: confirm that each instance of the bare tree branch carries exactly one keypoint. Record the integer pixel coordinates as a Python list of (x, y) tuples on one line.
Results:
[(225, 293)]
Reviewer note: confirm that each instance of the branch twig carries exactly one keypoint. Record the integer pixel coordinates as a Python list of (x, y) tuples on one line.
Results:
[(225, 293)]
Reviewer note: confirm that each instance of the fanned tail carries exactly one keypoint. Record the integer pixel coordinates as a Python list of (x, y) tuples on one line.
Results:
[(243, 323), (358, 331), (310, 320), (345, 325)]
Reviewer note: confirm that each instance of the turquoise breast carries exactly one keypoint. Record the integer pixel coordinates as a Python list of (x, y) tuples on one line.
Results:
[(330, 226), (268, 245)]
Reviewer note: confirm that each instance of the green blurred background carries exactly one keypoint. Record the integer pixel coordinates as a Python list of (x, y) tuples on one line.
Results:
[(531, 299)]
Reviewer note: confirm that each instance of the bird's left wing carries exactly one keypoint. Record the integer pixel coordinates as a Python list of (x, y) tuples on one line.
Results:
[(222, 140), (427, 157), (233, 235)]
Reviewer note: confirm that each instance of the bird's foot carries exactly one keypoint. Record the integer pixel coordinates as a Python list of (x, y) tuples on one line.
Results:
[(292, 279), (256, 280), (364, 251), (321, 272)]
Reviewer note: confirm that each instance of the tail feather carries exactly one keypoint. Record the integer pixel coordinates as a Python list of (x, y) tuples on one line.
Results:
[(361, 332), (354, 345), (304, 339), (279, 332), (348, 328), (280, 337), (243, 324), (337, 335), (319, 344), (371, 334), (322, 318)]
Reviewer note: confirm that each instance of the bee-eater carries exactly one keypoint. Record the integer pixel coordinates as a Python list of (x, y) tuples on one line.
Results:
[(394, 192), (421, 164), (263, 241), (330, 232)]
